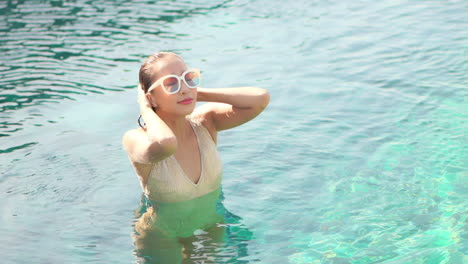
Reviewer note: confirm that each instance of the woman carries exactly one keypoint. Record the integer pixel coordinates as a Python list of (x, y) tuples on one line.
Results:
[(174, 154)]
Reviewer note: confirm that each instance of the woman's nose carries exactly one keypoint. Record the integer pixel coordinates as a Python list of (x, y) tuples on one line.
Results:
[(184, 88)]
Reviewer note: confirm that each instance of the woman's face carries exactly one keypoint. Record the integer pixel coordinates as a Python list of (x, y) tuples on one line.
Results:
[(178, 103)]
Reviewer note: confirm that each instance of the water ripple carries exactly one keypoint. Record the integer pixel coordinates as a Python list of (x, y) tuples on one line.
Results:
[(56, 49), (359, 158)]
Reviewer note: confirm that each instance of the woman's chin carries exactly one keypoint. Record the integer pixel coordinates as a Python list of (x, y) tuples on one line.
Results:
[(186, 110)]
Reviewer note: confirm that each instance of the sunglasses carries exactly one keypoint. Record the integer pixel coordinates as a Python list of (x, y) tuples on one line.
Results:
[(172, 83)]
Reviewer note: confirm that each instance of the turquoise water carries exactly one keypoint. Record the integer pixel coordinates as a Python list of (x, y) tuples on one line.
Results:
[(359, 158)]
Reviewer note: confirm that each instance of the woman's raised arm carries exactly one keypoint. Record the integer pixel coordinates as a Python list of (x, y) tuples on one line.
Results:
[(232, 107), (154, 142)]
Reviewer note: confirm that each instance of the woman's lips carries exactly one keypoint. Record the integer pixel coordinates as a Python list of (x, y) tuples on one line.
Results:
[(186, 101)]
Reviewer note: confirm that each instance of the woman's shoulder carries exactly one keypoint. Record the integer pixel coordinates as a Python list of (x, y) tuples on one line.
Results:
[(130, 136), (201, 117), (132, 133)]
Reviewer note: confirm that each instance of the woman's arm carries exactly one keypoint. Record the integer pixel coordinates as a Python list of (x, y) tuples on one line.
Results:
[(155, 142), (234, 106)]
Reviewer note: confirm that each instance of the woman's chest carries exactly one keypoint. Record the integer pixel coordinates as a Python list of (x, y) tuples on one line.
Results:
[(168, 182), (189, 159)]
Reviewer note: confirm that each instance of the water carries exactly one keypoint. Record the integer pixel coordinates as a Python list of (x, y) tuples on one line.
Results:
[(359, 158)]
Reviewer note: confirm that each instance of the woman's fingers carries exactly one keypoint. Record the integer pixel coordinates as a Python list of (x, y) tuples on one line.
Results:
[(141, 94), (142, 99)]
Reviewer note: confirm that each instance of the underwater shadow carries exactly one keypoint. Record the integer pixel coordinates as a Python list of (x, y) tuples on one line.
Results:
[(201, 230)]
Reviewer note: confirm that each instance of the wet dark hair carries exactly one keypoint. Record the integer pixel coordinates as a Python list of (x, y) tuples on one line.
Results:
[(147, 76)]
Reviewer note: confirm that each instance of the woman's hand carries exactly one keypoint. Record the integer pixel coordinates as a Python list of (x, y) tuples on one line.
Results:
[(143, 100)]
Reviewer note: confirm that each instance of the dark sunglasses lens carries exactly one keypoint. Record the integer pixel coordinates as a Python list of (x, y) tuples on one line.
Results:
[(192, 79)]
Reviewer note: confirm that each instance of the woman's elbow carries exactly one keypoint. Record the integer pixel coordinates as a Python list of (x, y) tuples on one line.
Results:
[(263, 98)]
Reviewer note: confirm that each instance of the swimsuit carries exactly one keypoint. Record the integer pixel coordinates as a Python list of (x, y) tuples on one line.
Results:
[(168, 183)]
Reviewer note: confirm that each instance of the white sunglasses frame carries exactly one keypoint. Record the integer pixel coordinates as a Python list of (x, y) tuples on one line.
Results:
[(179, 78)]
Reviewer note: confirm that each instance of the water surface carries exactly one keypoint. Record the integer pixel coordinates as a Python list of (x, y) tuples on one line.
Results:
[(359, 158)]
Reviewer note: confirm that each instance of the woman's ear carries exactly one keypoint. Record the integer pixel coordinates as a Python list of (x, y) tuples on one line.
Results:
[(151, 100)]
